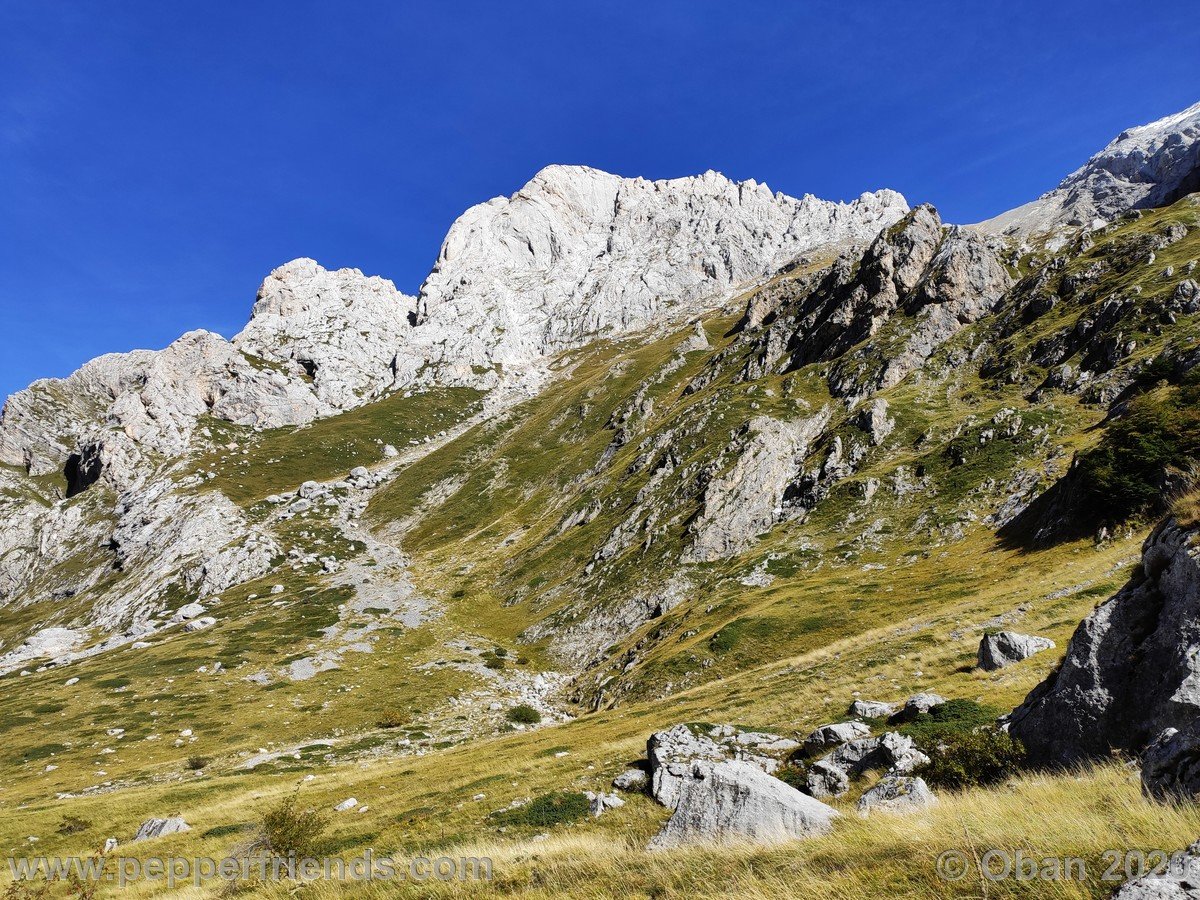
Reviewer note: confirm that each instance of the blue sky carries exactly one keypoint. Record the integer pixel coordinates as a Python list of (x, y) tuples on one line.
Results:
[(158, 159)]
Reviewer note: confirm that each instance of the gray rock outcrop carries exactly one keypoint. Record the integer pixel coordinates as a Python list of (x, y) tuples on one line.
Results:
[(1132, 668), (733, 802), (156, 828), (1007, 647), (672, 754), (745, 501), (892, 752), (835, 735), (871, 709), (896, 794), (1179, 881), (1144, 167)]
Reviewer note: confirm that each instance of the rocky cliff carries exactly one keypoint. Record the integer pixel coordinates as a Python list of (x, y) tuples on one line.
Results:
[(1144, 167)]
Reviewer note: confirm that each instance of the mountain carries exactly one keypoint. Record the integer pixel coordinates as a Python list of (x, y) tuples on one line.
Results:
[(687, 461), (1142, 168)]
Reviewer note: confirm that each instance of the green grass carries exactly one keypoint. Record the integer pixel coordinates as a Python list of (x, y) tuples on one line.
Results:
[(280, 459)]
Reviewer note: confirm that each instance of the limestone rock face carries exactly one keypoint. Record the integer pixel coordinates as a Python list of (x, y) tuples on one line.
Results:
[(1145, 167), (1007, 647), (1132, 668), (342, 329), (747, 500), (578, 253), (125, 404), (733, 802), (916, 286)]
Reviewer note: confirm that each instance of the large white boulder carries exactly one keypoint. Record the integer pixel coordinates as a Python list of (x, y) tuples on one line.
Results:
[(733, 802), (156, 828)]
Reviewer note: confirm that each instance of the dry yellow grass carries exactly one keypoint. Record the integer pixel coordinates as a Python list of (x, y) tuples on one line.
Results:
[(1070, 815)]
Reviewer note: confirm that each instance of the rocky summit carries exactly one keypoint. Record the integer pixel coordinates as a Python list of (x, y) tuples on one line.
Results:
[(679, 516)]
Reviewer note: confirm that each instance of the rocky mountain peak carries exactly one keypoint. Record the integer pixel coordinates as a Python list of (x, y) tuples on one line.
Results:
[(578, 254), (339, 329), (1143, 167)]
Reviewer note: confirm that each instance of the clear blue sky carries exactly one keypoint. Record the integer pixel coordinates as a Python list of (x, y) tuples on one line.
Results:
[(157, 159)]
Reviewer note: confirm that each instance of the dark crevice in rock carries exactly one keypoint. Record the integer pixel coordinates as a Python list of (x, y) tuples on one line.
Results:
[(81, 471)]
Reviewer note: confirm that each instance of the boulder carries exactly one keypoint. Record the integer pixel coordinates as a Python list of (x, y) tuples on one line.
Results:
[(200, 624), (633, 781), (732, 802), (892, 752), (1180, 880), (1132, 668), (825, 778), (871, 709), (1171, 764), (671, 753), (919, 703), (155, 828), (348, 804), (896, 794), (311, 489), (600, 803), (835, 735), (1007, 647), (187, 611)]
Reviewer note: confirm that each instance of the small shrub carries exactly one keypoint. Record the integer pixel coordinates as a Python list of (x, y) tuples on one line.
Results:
[(392, 719), (500, 652), (522, 660), (73, 825), (494, 662), (950, 718), (524, 714), (794, 775), (973, 759), (287, 829), (196, 763), (558, 808)]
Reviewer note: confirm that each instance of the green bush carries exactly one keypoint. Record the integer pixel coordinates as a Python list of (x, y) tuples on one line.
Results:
[(287, 829), (950, 718), (558, 808), (971, 759), (1125, 473), (196, 763), (793, 774), (524, 714)]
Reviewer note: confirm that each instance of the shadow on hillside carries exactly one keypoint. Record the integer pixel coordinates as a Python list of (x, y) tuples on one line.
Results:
[(1059, 515)]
